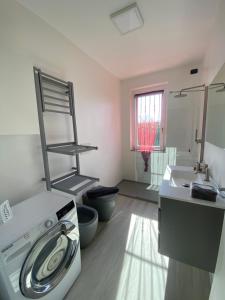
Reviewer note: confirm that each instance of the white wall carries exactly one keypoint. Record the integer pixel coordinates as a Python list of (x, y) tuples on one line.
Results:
[(215, 122), (215, 131), (26, 40), (215, 54), (182, 114), (215, 156)]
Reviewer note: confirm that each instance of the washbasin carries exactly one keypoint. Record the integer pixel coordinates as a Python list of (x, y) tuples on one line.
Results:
[(182, 178)]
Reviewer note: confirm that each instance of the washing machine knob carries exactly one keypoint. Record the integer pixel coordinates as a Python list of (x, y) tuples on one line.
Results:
[(49, 223)]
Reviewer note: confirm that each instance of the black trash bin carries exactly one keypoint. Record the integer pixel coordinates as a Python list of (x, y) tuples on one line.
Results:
[(103, 199)]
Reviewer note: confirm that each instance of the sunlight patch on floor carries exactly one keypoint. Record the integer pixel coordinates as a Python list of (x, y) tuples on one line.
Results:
[(153, 187), (144, 271)]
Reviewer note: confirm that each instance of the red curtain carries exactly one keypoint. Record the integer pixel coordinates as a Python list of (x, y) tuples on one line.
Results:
[(146, 139), (146, 132)]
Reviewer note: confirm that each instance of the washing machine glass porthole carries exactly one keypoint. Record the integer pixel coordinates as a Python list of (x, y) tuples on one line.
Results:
[(49, 260)]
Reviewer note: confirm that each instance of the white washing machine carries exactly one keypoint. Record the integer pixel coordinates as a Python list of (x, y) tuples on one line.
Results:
[(39, 249)]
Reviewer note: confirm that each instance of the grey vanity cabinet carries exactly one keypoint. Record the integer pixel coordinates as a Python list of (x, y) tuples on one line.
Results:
[(190, 232)]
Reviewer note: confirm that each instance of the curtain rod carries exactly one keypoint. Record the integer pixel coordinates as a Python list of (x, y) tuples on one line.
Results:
[(149, 93)]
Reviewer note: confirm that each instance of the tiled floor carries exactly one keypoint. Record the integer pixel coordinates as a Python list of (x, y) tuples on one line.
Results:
[(123, 262), (138, 190)]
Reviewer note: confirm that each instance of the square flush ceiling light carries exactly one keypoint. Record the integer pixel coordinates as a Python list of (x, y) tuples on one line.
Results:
[(127, 19)]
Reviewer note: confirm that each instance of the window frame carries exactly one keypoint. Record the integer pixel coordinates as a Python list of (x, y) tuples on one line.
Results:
[(134, 116)]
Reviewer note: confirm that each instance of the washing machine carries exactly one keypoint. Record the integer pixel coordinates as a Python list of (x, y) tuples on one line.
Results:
[(40, 249)]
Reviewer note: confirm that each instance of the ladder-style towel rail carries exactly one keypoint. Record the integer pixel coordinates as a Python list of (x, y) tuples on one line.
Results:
[(52, 79), (53, 82), (58, 179), (74, 184), (60, 92), (58, 111), (47, 90), (70, 149), (55, 98), (55, 104), (59, 144)]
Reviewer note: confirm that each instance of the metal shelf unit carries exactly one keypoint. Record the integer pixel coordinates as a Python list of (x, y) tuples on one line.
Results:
[(56, 96), (73, 183), (69, 148)]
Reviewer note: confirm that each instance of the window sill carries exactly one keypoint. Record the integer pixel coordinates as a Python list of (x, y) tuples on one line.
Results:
[(162, 150)]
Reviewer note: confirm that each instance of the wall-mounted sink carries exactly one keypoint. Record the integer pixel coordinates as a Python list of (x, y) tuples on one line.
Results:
[(176, 182), (183, 178), (189, 228)]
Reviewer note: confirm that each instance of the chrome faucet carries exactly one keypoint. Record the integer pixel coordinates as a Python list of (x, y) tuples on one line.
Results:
[(206, 174), (201, 168), (196, 167)]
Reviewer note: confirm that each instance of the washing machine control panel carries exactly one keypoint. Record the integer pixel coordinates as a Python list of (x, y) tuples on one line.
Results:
[(65, 210)]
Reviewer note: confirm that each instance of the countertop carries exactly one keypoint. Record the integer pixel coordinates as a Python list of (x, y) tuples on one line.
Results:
[(183, 193)]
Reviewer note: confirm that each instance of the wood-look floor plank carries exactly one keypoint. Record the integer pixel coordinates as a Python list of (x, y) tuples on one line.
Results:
[(123, 263)]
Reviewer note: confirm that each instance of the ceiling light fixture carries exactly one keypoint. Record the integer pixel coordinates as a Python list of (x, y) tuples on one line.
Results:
[(127, 19)]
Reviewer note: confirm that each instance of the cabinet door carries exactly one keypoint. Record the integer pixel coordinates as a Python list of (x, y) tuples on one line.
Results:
[(190, 233)]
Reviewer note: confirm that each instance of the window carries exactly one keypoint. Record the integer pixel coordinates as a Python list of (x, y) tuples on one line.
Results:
[(148, 120)]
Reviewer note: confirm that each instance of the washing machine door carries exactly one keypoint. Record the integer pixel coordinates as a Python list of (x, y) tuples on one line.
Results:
[(49, 260)]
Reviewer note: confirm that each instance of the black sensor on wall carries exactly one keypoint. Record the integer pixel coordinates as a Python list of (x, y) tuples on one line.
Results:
[(193, 71)]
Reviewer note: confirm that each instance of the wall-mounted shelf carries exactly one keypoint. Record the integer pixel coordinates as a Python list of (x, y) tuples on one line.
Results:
[(73, 184), (56, 96), (69, 148)]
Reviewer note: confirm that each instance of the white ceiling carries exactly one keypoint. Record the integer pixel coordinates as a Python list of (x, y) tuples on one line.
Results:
[(175, 32)]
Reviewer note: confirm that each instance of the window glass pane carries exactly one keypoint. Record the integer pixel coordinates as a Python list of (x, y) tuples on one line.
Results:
[(148, 119)]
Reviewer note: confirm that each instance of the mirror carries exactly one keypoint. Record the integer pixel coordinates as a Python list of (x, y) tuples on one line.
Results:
[(215, 119)]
